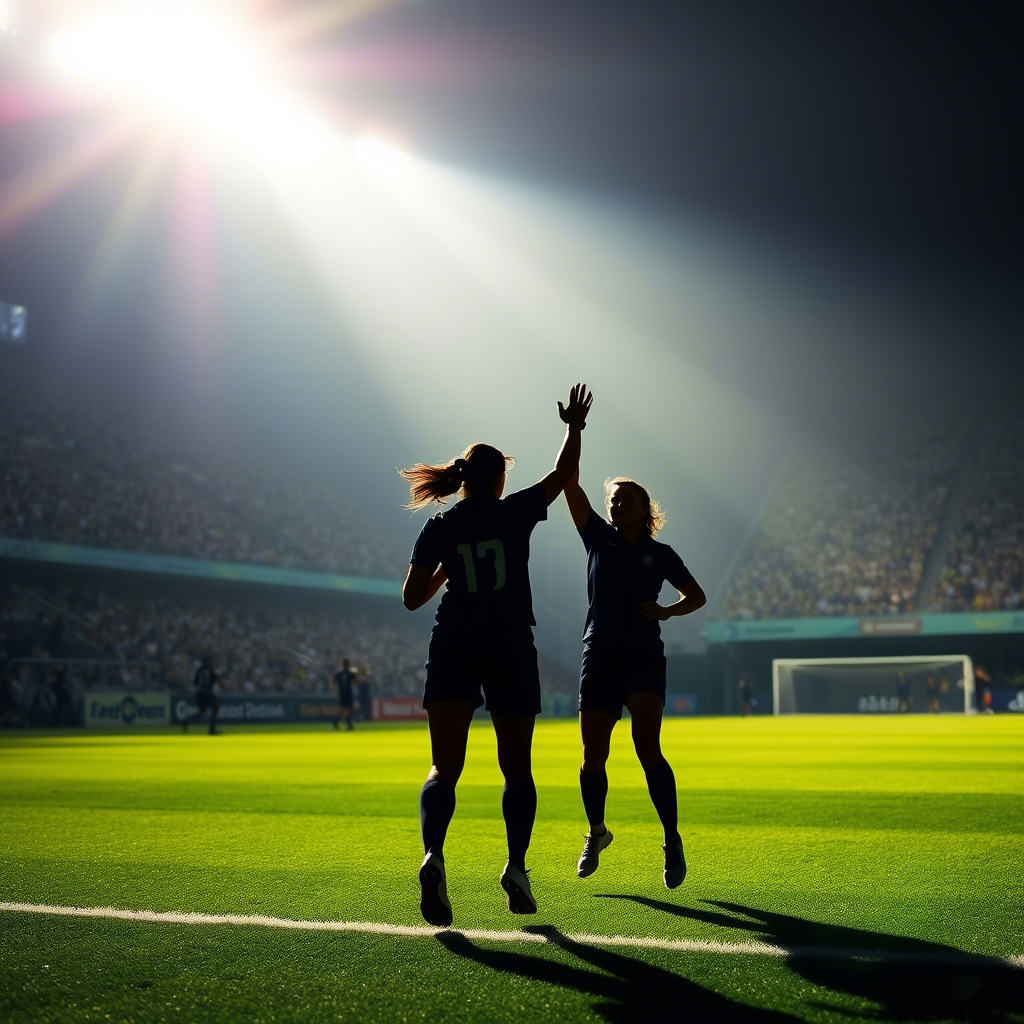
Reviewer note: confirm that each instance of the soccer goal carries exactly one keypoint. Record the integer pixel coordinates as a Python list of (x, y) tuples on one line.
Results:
[(851, 686)]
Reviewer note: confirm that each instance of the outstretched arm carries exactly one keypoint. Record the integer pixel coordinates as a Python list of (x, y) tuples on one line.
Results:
[(574, 415), (576, 498), (421, 584)]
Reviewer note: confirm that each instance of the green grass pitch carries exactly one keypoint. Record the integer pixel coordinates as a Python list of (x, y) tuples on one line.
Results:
[(827, 837)]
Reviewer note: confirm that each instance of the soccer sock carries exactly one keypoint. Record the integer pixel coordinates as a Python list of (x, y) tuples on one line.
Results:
[(661, 784), (519, 808), (594, 789), (437, 807)]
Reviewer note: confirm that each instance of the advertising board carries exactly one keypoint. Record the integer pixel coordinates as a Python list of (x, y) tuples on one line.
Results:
[(398, 709), (680, 703), (261, 708), (120, 709)]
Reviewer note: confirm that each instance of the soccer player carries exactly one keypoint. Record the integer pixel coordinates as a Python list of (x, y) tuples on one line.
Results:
[(902, 693), (623, 654), (206, 699), (746, 694), (482, 639), (345, 680)]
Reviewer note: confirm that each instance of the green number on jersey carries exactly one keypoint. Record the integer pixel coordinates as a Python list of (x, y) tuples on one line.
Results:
[(466, 551)]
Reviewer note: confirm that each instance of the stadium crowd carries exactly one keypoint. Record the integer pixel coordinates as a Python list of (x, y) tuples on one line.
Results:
[(262, 647), (86, 468), (985, 563), (848, 534), (258, 648)]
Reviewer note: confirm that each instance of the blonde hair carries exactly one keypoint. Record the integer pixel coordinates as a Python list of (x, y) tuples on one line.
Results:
[(655, 517), (478, 465)]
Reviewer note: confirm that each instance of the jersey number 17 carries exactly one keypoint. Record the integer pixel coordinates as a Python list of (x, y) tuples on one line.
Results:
[(466, 551)]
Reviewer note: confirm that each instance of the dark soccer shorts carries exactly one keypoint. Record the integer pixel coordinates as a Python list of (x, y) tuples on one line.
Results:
[(205, 699), (610, 674), (504, 669)]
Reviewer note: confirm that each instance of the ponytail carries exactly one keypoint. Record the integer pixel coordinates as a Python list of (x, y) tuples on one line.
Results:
[(476, 468)]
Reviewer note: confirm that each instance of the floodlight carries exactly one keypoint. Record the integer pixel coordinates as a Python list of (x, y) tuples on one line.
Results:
[(190, 62)]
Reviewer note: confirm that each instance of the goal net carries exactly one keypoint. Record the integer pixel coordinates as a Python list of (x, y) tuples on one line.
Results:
[(851, 686)]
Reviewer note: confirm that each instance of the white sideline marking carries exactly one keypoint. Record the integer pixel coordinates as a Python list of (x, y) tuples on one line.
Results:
[(484, 935)]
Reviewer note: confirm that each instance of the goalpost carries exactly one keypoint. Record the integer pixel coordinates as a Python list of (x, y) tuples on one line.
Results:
[(851, 686)]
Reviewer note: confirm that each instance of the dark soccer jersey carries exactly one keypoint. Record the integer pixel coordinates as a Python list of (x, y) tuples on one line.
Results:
[(205, 678), (343, 680), (622, 576), (483, 543)]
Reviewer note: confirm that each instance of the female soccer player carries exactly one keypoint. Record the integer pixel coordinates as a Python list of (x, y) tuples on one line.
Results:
[(623, 656), (482, 637)]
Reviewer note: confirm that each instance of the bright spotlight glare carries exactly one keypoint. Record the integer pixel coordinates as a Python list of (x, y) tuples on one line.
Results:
[(7, 17), (398, 171), (187, 59), (372, 151)]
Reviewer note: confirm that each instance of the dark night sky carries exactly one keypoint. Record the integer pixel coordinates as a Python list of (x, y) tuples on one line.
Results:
[(876, 140), (882, 126), (883, 129)]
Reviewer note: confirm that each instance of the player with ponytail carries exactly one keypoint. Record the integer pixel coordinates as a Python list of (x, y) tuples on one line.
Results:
[(623, 655), (482, 640)]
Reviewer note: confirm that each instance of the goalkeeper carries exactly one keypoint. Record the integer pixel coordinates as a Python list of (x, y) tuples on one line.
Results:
[(623, 654)]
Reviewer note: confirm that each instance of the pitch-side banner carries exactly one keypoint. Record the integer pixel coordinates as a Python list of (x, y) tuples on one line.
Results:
[(397, 709), (680, 703), (262, 708), (942, 624), (118, 709)]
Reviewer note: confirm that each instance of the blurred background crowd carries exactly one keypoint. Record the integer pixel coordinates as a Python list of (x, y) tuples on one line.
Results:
[(921, 518)]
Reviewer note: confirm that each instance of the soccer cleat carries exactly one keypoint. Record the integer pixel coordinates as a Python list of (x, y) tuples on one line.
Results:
[(592, 847), (434, 905), (675, 864), (517, 885)]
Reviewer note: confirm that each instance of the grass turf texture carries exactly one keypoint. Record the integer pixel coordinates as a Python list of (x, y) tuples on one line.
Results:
[(889, 833)]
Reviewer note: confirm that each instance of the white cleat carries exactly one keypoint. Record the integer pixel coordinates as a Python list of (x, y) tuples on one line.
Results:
[(517, 885), (434, 905), (592, 847)]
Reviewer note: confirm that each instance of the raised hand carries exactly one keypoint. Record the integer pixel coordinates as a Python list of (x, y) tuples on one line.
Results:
[(575, 413)]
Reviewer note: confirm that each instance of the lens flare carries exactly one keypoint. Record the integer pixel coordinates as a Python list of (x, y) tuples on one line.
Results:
[(196, 65)]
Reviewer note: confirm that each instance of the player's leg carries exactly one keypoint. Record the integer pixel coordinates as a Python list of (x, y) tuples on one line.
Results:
[(197, 714), (646, 709), (214, 710), (514, 734), (512, 690), (596, 725), (448, 720), (600, 709)]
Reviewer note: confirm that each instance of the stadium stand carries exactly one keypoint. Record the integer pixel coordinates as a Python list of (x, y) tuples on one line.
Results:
[(260, 647), (83, 467), (848, 531), (985, 561)]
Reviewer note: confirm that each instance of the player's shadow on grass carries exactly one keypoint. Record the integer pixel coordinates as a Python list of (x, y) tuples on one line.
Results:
[(628, 990), (917, 981)]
